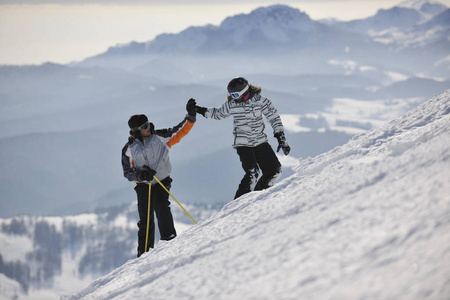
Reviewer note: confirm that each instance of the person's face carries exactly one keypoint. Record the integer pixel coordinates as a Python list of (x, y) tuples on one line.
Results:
[(145, 132)]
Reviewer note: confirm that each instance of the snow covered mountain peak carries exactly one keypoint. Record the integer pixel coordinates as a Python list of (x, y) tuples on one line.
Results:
[(274, 22), (260, 29), (427, 8), (421, 4), (280, 29), (367, 220), (269, 17), (402, 25)]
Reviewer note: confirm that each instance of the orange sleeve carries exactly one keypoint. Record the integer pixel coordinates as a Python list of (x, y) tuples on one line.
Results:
[(180, 134)]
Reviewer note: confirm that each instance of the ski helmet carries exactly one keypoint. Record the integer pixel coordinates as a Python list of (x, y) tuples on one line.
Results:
[(237, 87), (137, 120)]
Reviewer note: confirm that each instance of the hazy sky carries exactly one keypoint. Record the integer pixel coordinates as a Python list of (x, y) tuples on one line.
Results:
[(37, 31)]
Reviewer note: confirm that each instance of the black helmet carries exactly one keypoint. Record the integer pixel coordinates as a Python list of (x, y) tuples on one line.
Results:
[(137, 120), (237, 84), (238, 87)]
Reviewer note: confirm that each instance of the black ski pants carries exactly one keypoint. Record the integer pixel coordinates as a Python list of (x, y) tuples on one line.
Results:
[(160, 204), (254, 159)]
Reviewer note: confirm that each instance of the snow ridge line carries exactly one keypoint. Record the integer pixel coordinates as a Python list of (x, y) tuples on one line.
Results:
[(378, 138)]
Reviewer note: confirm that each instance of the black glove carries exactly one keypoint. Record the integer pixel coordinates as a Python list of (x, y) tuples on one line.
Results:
[(282, 144), (190, 107), (201, 110), (147, 173)]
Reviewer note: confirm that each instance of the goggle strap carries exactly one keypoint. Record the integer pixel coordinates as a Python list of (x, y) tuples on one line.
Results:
[(147, 125)]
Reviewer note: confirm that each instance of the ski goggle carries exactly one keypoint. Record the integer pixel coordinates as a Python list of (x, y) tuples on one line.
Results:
[(237, 95), (144, 126)]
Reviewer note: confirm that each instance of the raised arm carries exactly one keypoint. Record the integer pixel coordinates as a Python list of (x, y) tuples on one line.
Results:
[(220, 113), (172, 136)]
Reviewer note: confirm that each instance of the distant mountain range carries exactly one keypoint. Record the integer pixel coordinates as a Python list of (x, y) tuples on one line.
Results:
[(426, 7), (282, 28), (402, 17), (288, 40)]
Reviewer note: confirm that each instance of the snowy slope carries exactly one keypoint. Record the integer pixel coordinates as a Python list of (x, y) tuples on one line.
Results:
[(368, 220)]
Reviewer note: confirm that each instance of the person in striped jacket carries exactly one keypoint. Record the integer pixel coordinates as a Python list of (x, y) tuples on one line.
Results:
[(247, 106), (145, 156)]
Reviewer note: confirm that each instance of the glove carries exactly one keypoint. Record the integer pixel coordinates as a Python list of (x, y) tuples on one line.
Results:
[(201, 110), (147, 173), (190, 107), (282, 144)]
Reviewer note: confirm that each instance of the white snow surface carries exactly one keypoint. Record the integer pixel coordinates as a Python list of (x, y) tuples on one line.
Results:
[(367, 220)]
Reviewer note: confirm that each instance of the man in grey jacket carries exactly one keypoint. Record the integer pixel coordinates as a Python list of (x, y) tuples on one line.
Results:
[(247, 107), (145, 156)]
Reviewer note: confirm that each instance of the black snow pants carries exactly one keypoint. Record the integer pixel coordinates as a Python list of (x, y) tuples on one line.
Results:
[(160, 204), (254, 159)]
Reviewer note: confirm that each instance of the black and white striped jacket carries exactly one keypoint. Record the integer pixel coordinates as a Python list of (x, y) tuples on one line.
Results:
[(248, 124)]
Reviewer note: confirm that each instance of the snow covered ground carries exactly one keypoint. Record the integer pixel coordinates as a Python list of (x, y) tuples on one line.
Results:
[(367, 220)]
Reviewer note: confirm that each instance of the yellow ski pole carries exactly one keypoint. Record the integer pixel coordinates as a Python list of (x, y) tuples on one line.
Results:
[(148, 215), (174, 199)]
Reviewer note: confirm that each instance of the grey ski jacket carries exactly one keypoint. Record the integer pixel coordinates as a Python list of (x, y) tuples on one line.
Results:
[(153, 151), (248, 124)]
